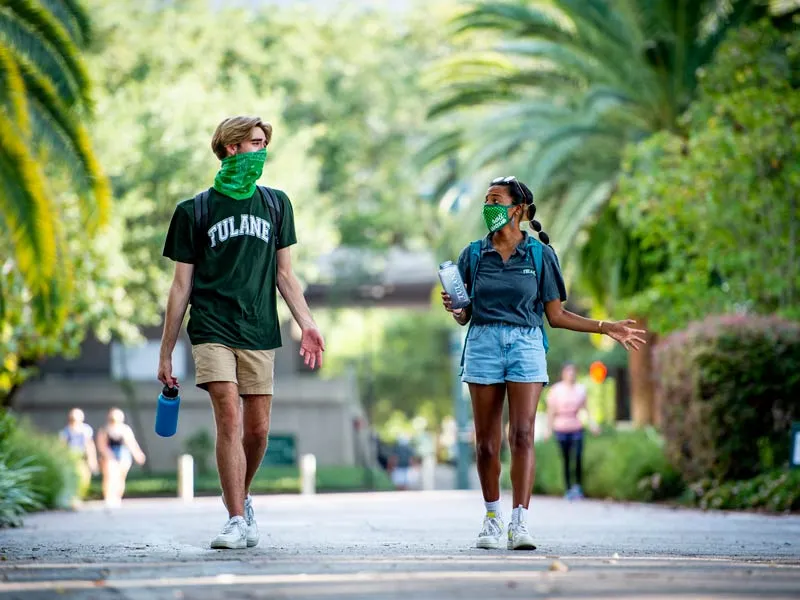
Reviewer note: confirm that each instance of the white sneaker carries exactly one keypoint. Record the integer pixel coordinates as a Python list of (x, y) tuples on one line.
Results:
[(519, 538), (250, 520), (233, 536), (490, 537)]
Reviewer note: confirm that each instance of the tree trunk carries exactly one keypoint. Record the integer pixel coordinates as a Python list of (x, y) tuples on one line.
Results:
[(642, 381)]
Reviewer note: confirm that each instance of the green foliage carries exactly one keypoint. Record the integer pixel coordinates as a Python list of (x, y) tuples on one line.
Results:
[(341, 91), (622, 465), (16, 479), (45, 148), (775, 491), (268, 480), (354, 79), (56, 481), (36, 471), (413, 366), (98, 273), (719, 209), (200, 446), (565, 86), (730, 389), (400, 358), (16, 495)]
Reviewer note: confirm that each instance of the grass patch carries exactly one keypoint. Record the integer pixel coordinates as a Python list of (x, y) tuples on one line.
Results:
[(268, 480)]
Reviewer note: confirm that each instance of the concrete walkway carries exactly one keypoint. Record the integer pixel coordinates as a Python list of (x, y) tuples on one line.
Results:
[(399, 545)]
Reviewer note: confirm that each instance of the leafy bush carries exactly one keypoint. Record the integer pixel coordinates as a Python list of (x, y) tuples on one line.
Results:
[(777, 491), (16, 495), (730, 388), (623, 465), (51, 470)]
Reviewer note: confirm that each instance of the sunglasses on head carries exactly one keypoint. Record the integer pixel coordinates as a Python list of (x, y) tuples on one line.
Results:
[(506, 181)]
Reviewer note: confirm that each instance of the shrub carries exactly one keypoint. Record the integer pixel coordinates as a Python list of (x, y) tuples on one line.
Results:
[(729, 389), (777, 491), (16, 495), (54, 477), (623, 465)]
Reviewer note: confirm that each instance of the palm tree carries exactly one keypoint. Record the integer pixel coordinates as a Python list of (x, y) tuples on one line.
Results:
[(570, 84), (44, 94)]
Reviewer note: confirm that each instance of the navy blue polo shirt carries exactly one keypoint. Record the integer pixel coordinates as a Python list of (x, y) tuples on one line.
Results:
[(506, 292)]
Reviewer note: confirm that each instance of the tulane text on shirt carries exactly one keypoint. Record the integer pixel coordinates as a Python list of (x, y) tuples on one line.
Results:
[(247, 225)]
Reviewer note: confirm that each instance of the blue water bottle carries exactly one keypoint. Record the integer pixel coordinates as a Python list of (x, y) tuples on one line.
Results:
[(167, 411)]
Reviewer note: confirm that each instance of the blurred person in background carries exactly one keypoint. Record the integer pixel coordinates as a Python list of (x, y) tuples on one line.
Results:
[(118, 449), (402, 464), (504, 351), (79, 438), (565, 403)]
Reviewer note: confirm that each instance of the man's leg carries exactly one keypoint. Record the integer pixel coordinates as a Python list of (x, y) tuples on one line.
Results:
[(256, 429), (231, 462), (255, 370)]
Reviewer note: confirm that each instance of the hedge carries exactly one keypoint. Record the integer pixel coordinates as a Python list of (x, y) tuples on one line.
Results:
[(729, 389)]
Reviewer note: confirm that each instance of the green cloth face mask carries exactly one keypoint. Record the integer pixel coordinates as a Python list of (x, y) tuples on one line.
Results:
[(238, 174), (496, 216)]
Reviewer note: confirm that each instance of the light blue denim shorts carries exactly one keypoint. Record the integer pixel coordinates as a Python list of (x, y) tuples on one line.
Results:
[(500, 353)]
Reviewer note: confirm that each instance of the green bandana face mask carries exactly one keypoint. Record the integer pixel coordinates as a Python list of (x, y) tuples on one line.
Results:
[(238, 174), (496, 216)]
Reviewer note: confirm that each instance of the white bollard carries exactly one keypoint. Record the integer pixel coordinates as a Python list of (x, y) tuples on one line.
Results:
[(308, 474), (429, 472), (186, 477)]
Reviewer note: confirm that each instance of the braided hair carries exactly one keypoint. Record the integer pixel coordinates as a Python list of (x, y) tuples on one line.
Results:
[(521, 194)]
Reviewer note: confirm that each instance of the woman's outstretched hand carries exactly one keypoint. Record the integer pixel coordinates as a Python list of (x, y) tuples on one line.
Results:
[(626, 335)]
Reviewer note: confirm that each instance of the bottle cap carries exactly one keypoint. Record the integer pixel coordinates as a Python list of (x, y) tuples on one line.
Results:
[(170, 392), (446, 263)]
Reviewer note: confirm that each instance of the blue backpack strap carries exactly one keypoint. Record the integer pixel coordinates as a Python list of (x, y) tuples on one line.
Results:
[(535, 252), (474, 258)]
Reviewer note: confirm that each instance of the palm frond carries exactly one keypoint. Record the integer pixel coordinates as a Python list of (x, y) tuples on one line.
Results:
[(61, 128), (26, 213), (12, 90), (36, 33), (583, 201), (73, 17), (513, 18)]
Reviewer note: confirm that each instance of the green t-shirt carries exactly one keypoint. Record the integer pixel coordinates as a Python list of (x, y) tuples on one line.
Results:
[(234, 299)]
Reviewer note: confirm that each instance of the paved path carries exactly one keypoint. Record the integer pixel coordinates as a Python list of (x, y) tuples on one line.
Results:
[(398, 545)]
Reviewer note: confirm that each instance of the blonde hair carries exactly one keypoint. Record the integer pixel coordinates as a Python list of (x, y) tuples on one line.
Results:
[(235, 130)]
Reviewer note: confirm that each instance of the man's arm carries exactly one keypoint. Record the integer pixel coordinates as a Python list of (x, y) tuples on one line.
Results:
[(178, 300), (292, 291), (311, 344)]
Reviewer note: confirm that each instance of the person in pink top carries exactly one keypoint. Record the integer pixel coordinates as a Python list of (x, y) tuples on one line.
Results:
[(566, 400)]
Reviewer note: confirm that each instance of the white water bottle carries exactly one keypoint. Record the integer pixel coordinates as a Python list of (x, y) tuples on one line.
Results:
[(453, 285)]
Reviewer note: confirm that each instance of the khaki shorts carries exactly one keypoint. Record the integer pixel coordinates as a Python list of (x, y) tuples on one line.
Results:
[(251, 370)]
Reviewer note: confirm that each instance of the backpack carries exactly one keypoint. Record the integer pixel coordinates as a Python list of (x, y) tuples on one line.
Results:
[(201, 210), (533, 251)]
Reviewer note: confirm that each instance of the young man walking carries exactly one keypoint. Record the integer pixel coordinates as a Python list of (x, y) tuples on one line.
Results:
[(231, 246)]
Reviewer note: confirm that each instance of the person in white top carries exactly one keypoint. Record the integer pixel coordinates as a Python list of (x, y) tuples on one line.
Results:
[(565, 402)]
